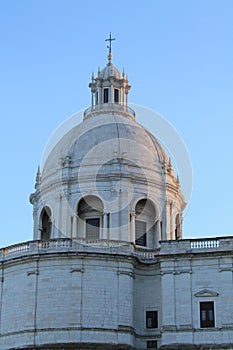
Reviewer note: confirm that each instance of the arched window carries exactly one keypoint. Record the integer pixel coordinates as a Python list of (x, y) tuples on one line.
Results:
[(177, 227), (46, 224), (116, 95), (106, 95), (145, 223), (90, 212)]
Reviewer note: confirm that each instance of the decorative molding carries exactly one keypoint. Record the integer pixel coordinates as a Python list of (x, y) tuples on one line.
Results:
[(81, 269), (125, 328), (183, 271), (32, 272), (226, 269), (167, 272), (169, 328), (128, 273), (206, 293), (177, 272)]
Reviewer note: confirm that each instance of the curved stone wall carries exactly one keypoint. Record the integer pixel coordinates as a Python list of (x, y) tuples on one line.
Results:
[(57, 293)]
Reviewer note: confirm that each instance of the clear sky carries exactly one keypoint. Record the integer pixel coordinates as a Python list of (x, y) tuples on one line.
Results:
[(179, 58)]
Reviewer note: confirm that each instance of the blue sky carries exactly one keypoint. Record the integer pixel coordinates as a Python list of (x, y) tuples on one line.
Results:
[(179, 58)]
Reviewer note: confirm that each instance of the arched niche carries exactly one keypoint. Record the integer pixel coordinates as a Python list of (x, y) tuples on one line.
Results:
[(145, 228), (45, 224), (90, 216)]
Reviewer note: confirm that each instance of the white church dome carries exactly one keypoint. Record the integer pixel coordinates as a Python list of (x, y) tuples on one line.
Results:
[(125, 136), (109, 172)]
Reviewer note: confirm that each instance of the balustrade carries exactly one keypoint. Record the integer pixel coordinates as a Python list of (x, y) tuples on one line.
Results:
[(69, 245), (204, 244)]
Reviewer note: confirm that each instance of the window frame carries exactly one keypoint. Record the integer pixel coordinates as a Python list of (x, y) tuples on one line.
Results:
[(204, 323), (156, 320), (92, 218), (149, 344), (106, 95), (144, 236), (116, 94)]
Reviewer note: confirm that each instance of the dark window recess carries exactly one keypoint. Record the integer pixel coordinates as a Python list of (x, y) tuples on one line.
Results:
[(177, 229), (105, 95), (140, 233), (152, 319), (116, 95), (96, 98), (207, 314), (92, 228), (46, 227), (151, 344)]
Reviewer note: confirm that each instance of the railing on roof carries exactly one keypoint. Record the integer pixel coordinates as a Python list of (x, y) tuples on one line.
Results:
[(204, 243), (117, 247), (76, 245), (109, 107), (196, 245)]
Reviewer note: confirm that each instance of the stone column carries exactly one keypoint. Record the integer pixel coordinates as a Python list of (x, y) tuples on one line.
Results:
[(168, 297), (35, 222), (126, 98), (158, 232), (74, 227), (71, 226), (100, 95), (132, 227), (111, 94), (104, 229), (92, 100), (52, 235)]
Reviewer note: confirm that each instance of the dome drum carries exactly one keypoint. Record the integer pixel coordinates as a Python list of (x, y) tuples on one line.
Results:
[(113, 108)]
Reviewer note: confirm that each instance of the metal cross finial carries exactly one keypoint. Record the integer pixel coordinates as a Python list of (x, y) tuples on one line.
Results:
[(110, 39)]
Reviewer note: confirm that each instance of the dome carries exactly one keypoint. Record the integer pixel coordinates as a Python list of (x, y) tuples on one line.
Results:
[(103, 138), (121, 135), (111, 160), (110, 71)]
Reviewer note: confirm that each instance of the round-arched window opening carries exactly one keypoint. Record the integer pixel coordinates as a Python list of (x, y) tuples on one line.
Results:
[(145, 223), (46, 224), (90, 213)]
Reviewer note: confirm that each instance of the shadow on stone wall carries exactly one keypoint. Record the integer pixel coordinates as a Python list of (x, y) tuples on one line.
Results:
[(197, 347)]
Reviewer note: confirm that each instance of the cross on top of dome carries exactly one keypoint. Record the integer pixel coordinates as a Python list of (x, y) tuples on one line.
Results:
[(109, 90), (110, 39)]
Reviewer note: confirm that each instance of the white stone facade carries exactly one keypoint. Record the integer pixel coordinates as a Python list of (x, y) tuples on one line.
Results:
[(108, 268), (77, 294)]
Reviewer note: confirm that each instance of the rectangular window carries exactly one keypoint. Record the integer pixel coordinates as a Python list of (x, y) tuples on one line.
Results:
[(116, 95), (92, 228), (152, 319), (140, 233), (207, 314), (105, 95), (96, 98), (152, 344)]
